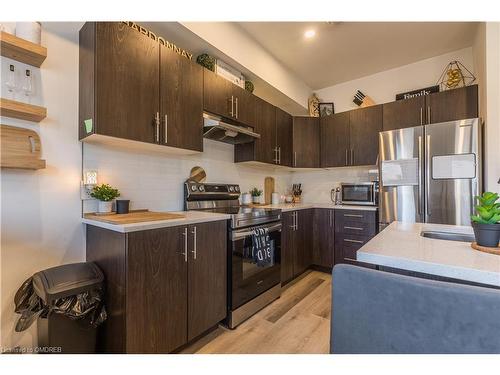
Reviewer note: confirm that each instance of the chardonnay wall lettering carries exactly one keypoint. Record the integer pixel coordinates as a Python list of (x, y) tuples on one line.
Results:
[(159, 39)]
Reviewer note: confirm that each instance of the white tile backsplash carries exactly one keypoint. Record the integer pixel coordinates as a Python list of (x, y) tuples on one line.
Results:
[(155, 181)]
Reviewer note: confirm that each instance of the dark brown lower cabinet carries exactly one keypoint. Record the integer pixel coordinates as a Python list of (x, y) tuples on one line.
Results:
[(164, 286), (353, 228), (324, 237), (296, 243)]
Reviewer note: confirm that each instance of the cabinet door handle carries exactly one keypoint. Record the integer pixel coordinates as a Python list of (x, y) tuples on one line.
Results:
[(185, 253), (354, 241), (354, 228), (166, 129), (232, 106), (296, 220), (352, 156), (429, 115), (346, 163), (275, 155), (157, 127), (236, 105), (352, 215), (295, 158), (421, 116), (194, 243), (279, 154)]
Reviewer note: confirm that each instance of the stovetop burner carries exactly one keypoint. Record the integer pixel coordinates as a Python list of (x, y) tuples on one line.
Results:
[(224, 198)]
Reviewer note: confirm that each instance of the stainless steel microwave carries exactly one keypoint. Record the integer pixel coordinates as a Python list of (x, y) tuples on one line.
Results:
[(360, 193)]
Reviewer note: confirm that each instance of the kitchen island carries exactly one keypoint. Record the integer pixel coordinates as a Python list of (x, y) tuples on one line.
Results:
[(401, 246)]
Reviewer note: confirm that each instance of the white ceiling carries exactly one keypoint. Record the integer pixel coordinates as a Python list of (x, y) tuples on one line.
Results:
[(342, 51)]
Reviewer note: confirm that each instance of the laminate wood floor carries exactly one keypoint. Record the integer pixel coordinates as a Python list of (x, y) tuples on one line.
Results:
[(298, 322)]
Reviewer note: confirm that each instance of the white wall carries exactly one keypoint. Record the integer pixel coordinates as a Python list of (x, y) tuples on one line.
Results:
[(40, 210), (238, 45), (156, 181), (382, 87), (492, 140)]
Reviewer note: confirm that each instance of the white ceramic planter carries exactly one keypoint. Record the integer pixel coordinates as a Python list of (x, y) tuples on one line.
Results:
[(256, 199), (105, 207)]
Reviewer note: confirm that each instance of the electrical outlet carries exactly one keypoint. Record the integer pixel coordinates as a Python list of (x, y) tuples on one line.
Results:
[(85, 192)]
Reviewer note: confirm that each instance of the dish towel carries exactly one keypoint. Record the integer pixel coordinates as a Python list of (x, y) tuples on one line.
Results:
[(262, 248)]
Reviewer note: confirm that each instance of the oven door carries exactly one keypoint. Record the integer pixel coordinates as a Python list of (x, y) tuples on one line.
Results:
[(363, 194), (248, 279)]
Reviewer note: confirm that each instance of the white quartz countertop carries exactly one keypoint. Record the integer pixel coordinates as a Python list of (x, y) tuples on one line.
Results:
[(400, 245), (191, 217), (302, 206)]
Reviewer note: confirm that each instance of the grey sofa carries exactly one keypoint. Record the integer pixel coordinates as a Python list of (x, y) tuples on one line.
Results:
[(381, 312)]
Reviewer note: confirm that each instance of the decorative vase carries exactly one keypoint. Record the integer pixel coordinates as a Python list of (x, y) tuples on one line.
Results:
[(105, 207), (256, 199), (487, 235)]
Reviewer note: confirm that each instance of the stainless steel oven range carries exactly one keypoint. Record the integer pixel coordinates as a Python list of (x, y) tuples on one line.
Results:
[(250, 287)]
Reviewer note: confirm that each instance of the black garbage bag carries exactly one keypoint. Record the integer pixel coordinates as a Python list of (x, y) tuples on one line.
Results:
[(79, 306)]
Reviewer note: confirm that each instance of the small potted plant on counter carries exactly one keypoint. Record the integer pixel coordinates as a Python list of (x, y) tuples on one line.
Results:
[(486, 223), (256, 193), (105, 194)]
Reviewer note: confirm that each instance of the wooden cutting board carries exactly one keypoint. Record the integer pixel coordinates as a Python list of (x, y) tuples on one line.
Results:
[(134, 217), (20, 148), (268, 189)]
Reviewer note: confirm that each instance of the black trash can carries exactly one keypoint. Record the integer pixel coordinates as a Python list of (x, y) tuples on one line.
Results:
[(67, 300)]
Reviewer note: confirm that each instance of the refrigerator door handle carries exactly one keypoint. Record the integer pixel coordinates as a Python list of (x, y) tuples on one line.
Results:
[(420, 182), (428, 176)]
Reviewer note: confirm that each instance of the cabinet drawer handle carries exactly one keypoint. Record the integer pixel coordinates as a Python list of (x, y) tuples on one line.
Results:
[(166, 129), (185, 253), (194, 242), (354, 241), (354, 228), (352, 215), (157, 127)]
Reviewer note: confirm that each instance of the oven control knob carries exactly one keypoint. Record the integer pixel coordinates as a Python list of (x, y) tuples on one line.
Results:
[(201, 188), (193, 188), (231, 189), (236, 188)]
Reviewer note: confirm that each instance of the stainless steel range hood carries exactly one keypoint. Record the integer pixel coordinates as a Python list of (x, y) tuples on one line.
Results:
[(219, 130)]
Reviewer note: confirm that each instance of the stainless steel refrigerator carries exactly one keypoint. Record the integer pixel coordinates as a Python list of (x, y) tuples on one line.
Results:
[(430, 173)]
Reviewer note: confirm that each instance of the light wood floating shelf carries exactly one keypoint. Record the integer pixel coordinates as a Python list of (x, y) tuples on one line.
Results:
[(20, 148), (22, 50), (22, 111)]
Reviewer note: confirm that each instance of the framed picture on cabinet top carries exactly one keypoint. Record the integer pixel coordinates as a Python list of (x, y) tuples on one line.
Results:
[(326, 109)]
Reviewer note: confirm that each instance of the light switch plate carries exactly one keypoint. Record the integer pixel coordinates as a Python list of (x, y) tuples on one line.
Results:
[(85, 192)]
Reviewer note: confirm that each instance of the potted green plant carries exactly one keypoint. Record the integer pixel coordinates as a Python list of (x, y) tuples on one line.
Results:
[(105, 194), (486, 223), (256, 193)]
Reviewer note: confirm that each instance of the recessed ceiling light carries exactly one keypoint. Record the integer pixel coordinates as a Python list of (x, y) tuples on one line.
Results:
[(309, 34)]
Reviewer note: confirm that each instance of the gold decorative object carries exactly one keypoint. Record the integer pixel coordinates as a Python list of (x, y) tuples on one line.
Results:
[(453, 76), (313, 103)]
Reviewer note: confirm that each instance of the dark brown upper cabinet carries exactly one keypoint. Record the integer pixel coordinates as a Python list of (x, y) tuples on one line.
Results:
[(404, 113), (451, 105), (306, 142), (223, 98), (131, 87), (284, 137), (119, 86), (181, 101), (364, 126), (263, 149), (335, 149)]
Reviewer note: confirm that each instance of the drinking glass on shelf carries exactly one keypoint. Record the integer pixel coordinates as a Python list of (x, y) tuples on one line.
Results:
[(27, 84), (10, 82)]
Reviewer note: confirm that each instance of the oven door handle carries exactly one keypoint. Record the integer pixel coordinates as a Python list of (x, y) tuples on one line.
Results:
[(238, 235)]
